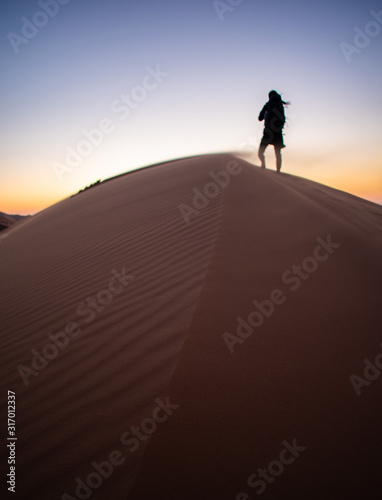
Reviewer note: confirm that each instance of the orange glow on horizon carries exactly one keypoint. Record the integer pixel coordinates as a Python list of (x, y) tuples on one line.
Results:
[(40, 189), (368, 187), (25, 202)]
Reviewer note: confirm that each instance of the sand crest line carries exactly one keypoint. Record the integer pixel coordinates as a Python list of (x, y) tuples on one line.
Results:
[(201, 199), (89, 307), (292, 276)]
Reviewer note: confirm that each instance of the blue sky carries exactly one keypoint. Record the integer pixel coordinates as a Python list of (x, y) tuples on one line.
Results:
[(219, 71)]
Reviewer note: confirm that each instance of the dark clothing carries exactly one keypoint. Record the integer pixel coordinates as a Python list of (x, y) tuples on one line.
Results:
[(274, 138), (274, 119)]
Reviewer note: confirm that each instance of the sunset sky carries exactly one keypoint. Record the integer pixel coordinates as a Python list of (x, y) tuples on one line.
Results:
[(194, 76)]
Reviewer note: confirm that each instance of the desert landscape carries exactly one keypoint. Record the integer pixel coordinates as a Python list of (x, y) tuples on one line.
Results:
[(199, 329)]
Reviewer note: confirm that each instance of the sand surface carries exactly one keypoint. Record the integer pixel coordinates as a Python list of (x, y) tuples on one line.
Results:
[(167, 327)]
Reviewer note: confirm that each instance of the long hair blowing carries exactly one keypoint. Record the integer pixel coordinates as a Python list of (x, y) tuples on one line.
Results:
[(275, 95)]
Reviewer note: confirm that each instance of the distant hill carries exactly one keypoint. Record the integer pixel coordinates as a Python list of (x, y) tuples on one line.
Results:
[(7, 220)]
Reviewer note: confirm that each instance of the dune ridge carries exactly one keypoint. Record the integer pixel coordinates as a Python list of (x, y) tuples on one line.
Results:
[(108, 376), (162, 335), (290, 378)]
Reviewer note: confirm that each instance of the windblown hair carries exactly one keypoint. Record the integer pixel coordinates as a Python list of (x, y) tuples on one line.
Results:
[(276, 96)]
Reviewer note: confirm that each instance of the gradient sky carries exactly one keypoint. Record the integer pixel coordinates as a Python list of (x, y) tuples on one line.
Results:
[(70, 75)]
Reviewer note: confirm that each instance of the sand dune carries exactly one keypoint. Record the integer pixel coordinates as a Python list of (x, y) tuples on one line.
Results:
[(6, 221), (223, 314)]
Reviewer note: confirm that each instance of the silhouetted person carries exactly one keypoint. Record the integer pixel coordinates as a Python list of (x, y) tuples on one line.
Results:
[(274, 116)]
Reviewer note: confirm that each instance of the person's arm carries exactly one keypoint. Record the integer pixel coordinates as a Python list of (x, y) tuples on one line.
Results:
[(262, 112)]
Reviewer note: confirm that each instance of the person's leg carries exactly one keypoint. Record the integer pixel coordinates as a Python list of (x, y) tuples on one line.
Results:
[(278, 158), (261, 155)]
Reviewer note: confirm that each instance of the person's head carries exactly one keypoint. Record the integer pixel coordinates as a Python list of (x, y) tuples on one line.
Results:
[(275, 96)]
